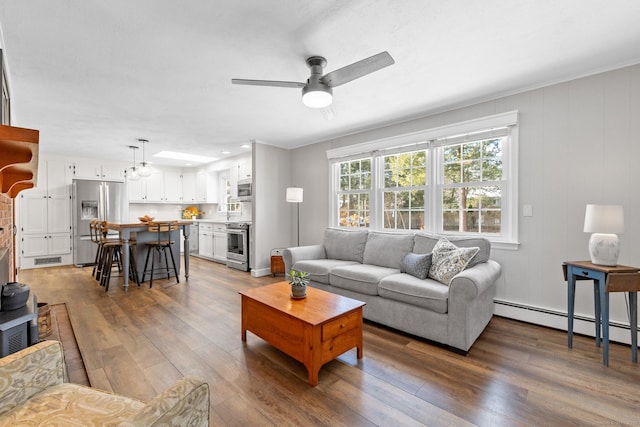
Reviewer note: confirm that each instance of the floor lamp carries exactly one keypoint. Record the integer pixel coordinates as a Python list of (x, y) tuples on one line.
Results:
[(294, 195)]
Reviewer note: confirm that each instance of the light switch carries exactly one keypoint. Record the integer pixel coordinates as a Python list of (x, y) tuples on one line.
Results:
[(527, 210)]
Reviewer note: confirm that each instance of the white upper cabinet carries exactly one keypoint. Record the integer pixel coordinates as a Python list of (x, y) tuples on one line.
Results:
[(94, 169), (189, 187), (201, 185), (161, 186)]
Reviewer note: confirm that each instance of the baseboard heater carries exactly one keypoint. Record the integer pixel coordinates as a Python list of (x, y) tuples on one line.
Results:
[(49, 260), (612, 323)]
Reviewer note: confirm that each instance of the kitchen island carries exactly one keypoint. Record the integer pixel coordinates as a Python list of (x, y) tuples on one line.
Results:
[(143, 235)]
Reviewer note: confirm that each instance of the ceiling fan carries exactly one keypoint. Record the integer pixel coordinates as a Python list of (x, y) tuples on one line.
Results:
[(317, 91)]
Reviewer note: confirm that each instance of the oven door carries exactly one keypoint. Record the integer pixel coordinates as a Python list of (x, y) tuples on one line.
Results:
[(237, 244)]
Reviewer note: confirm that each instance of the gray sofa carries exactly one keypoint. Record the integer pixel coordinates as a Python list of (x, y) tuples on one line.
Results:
[(379, 269)]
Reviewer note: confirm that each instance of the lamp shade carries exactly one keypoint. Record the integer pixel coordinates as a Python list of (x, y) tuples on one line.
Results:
[(294, 195), (605, 219)]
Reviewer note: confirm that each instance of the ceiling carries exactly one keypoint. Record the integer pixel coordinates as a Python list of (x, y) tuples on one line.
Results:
[(95, 76)]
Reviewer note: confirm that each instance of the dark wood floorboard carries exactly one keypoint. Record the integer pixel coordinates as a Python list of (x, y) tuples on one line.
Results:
[(139, 342)]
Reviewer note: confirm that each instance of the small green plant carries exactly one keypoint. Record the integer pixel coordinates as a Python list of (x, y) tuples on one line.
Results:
[(298, 278)]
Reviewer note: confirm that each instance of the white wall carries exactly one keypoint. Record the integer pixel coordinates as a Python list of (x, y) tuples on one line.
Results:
[(579, 144), (273, 217)]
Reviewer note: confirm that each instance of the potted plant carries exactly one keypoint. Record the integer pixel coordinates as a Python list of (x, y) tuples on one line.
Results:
[(299, 281)]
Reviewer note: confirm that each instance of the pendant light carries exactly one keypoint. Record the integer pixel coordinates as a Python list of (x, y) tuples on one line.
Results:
[(144, 170), (133, 174)]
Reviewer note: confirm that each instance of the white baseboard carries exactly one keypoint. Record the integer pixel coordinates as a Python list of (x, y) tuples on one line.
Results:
[(260, 272), (618, 332)]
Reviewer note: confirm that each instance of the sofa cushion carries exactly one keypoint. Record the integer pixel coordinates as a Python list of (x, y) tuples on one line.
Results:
[(448, 260), (424, 244), (417, 265), (427, 293), (387, 249), (362, 278), (346, 245), (319, 269)]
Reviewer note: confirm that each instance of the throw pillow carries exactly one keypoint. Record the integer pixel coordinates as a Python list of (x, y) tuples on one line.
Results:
[(449, 260), (416, 265)]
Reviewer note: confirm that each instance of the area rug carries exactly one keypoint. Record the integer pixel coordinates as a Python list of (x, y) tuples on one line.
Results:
[(61, 330)]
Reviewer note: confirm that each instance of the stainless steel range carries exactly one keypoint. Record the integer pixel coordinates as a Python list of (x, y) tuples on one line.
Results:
[(238, 245)]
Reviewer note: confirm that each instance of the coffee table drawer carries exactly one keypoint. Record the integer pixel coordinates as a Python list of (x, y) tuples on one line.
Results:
[(340, 325)]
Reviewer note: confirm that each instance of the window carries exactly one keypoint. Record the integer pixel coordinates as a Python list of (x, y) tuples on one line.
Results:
[(354, 192), (472, 187), (403, 192), (228, 206), (457, 183)]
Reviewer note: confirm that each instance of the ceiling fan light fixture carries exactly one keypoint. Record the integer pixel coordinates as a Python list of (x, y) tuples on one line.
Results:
[(317, 97)]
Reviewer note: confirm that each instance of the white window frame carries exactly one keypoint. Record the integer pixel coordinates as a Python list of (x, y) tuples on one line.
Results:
[(434, 139)]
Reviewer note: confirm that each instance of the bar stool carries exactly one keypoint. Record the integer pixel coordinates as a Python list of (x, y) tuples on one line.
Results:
[(94, 232), (111, 254), (160, 247)]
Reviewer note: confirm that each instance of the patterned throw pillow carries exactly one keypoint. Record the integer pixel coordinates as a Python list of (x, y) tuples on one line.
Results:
[(449, 260), (416, 265)]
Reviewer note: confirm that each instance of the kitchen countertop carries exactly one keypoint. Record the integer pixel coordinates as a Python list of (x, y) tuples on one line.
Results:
[(218, 221)]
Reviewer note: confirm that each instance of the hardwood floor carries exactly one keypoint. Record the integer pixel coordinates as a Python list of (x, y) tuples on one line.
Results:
[(139, 342)]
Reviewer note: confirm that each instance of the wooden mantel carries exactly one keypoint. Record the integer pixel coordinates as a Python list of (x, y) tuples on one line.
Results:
[(18, 159)]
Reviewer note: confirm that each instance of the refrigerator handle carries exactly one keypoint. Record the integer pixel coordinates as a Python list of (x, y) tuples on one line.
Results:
[(107, 208), (101, 216)]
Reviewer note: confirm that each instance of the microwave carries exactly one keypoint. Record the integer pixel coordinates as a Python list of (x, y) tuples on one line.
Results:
[(244, 190)]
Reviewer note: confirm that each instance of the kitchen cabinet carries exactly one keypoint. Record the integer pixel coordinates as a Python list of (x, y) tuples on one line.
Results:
[(45, 218), (244, 169), (206, 186), (205, 240), (220, 242), (240, 170), (160, 186), (91, 169), (189, 187), (201, 186)]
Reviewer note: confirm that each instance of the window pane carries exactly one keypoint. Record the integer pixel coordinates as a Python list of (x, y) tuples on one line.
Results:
[(452, 153), (344, 183), (417, 199), (471, 171), (354, 210), (452, 173), (451, 220), (471, 151), (355, 182), (491, 170), (389, 179), (472, 209), (491, 221), (366, 165)]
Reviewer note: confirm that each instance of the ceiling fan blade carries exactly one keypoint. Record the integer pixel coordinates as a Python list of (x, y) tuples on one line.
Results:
[(295, 85), (357, 69)]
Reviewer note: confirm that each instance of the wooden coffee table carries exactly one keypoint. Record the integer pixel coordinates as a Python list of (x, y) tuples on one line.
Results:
[(313, 330)]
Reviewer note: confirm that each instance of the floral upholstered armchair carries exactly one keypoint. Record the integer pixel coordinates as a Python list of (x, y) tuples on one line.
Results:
[(33, 391)]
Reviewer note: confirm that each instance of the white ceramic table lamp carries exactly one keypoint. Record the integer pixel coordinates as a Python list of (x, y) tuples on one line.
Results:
[(605, 222)]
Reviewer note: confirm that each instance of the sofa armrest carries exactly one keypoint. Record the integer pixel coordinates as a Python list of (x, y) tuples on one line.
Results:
[(472, 282), (30, 371), (298, 253), (186, 403)]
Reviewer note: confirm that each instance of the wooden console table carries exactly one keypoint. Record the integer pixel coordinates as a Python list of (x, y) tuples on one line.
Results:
[(619, 278)]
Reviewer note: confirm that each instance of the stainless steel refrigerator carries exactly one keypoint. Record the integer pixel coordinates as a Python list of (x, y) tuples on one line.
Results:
[(101, 200)]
